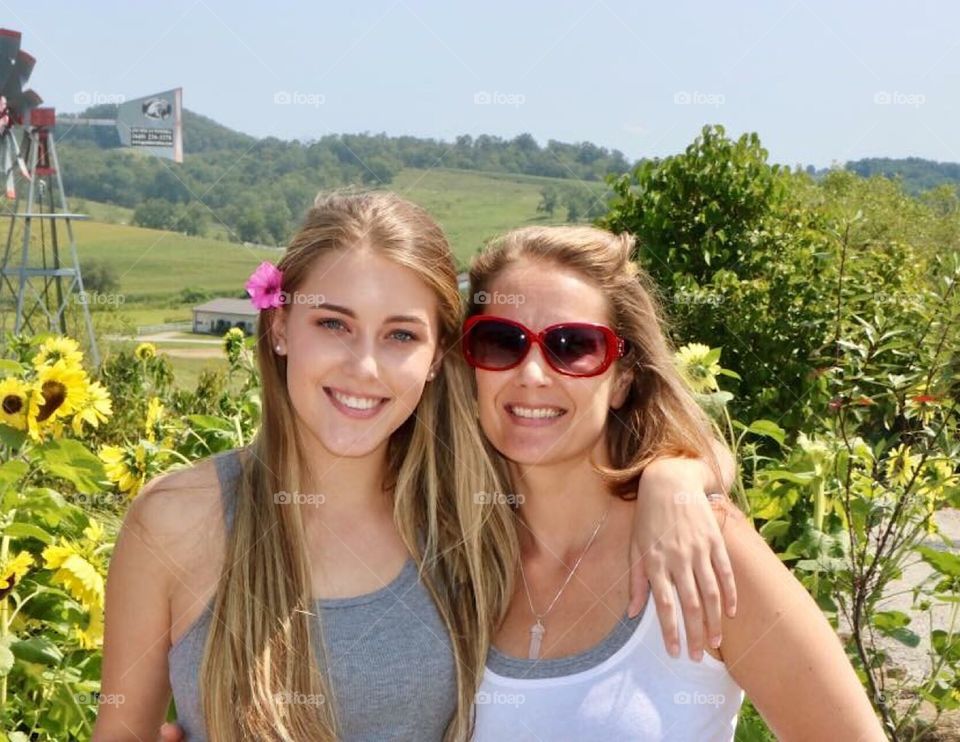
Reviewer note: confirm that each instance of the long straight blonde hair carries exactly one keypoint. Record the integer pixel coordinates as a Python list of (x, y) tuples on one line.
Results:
[(464, 545), (659, 416)]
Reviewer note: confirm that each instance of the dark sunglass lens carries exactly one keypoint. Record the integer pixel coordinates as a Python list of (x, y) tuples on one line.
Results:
[(496, 344), (576, 350)]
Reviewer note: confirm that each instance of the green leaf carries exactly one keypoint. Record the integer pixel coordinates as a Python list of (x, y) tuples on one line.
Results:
[(28, 530), (9, 368), (37, 649), (778, 475), (11, 437), (769, 429), (889, 620), (946, 645), (774, 529), (209, 422), (942, 561), (893, 624), (12, 472), (72, 461)]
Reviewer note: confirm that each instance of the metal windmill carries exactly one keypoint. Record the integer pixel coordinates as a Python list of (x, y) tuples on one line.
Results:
[(38, 277)]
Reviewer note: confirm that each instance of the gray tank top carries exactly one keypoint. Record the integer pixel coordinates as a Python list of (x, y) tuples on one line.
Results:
[(558, 667), (391, 665)]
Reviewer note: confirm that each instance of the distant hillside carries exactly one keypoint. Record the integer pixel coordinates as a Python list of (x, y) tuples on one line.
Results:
[(256, 190), (916, 174)]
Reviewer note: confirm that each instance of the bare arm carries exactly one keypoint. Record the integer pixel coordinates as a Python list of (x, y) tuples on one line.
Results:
[(137, 629), (782, 651), (677, 542)]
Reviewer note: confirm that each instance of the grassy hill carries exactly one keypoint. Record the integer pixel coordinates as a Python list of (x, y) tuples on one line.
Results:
[(153, 264)]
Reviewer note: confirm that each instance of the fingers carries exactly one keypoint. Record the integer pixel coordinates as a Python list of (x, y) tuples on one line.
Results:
[(710, 600), (724, 572), (692, 615), (663, 595), (639, 587), (171, 733)]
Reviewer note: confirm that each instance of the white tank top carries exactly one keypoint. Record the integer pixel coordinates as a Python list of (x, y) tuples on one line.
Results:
[(625, 688)]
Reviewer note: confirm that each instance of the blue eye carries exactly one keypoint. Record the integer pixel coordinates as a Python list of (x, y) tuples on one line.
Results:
[(404, 336), (331, 324)]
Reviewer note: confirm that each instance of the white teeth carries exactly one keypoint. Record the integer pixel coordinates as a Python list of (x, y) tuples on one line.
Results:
[(535, 412), (356, 403)]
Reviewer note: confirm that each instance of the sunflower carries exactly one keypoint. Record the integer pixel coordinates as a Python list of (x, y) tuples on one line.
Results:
[(130, 467), (13, 571), (145, 351), (75, 573), (14, 402), (91, 637), (902, 465), (154, 425), (698, 365), (233, 344), (58, 349), (64, 390), (97, 409)]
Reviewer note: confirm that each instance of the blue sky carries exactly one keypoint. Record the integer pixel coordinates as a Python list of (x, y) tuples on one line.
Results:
[(819, 81)]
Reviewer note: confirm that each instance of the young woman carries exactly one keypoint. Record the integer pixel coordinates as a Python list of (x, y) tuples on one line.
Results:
[(577, 391), (338, 578)]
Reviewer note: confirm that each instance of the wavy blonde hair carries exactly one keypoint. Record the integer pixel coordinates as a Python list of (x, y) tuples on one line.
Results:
[(438, 462), (659, 416)]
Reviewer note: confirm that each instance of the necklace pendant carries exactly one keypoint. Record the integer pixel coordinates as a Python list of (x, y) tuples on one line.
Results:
[(536, 639)]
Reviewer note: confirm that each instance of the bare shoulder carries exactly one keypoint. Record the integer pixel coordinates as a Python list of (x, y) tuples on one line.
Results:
[(781, 649), (170, 506), (165, 558)]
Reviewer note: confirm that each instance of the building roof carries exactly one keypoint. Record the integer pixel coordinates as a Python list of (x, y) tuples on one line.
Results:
[(228, 306)]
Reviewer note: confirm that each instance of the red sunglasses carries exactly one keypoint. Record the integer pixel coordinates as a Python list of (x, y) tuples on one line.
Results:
[(571, 348)]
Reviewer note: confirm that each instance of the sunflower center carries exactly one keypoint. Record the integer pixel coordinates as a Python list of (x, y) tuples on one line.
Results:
[(12, 404), (54, 395)]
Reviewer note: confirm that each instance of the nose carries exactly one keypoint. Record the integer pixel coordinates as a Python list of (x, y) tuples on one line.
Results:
[(534, 370), (361, 359)]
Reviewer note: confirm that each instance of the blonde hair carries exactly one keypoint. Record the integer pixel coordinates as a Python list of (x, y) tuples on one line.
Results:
[(659, 416), (464, 546)]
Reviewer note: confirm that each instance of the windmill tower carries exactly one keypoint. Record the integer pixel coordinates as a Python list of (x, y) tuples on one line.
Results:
[(40, 271)]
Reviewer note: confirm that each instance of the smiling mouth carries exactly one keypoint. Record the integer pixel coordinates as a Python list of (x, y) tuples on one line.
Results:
[(354, 404), (527, 412)]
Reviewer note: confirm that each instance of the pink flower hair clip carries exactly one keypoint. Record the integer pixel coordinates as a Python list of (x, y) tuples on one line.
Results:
[(264, 286)]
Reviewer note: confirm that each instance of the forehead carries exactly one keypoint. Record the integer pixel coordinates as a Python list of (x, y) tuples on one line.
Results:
[(369, 283), (541, 293)]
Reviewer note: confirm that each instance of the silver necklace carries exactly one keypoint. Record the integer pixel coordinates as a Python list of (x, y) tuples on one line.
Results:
[(538, 629)]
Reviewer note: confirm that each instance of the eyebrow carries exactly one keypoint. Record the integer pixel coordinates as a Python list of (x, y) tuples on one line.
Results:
[(350, 313)]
